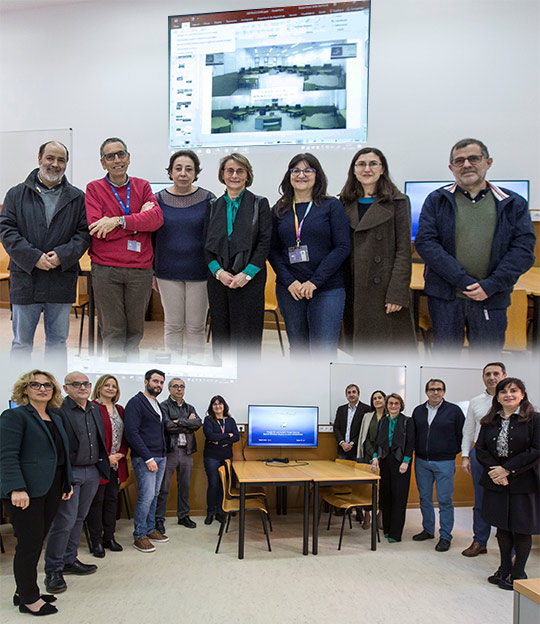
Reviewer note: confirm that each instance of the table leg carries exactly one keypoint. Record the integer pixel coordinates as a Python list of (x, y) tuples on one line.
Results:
[(306, 518), (279, 491), (374, 516), (91, 314), (284, 501), (315, 538), (242, 521)]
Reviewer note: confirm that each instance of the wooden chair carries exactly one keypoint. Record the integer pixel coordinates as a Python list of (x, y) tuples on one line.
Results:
[(231, 505), (81, 303), (234, 492), (516, 332), (270, 301)]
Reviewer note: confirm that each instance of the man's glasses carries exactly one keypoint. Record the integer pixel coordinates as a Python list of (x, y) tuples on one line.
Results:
[(110, 157), (178, 387), (80, 384), (296, 172), (473, 160), (435, 389), (35, 385)]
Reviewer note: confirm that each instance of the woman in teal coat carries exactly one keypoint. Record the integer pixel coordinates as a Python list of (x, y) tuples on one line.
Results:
[(35, 474)]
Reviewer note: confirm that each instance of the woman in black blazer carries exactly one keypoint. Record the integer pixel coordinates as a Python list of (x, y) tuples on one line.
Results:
[(35, 474), (238, 231), (394, 446), (508, 447)]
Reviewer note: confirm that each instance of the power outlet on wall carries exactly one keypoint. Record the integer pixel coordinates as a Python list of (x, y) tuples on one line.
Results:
[(326, 428), (241, 428)]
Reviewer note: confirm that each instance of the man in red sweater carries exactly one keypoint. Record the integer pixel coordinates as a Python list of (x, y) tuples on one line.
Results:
[(122, 213)]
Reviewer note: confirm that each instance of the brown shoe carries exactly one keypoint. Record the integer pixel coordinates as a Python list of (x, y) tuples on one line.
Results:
[(474, 550), (144, 545), (156, 536), (367, 520)]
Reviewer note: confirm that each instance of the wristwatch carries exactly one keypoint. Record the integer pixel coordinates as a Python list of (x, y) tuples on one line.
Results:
[(122, 222), (248, 277)]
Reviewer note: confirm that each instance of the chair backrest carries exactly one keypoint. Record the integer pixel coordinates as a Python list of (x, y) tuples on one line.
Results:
[(270, 301), (346, 462), (516, 332), (365, 468), (228, 469), (4, 259), (229, 504)]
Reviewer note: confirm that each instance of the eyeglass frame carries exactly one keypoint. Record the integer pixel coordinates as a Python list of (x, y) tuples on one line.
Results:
[(111, 157)]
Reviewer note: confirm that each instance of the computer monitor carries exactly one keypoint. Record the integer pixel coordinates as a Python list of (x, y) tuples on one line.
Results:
[(159, 186), (283, 426)]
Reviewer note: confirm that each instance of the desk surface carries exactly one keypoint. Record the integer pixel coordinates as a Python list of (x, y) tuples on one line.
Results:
[(529, 588), (326, 470), (320, 470)]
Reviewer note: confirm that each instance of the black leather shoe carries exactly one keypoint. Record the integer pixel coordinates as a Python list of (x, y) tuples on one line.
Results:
[(98, 551), (79, 568), (187, 522), (113, 545), (44, 597), (495, 577), (209, 519), (46, 609), (507, 582), (443, 545), (54, 583), (423, 535), (160, 526)]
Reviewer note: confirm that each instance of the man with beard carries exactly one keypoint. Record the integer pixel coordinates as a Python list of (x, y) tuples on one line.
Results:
[(145, 433), (43, 229)]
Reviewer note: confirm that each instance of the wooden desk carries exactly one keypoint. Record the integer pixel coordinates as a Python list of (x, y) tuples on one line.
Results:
[(319, 472), (526, 601)]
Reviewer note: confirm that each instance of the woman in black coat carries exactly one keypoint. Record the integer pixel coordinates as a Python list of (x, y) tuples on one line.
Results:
[(238, 231), (508, 447), (394, 446), (35, 474)]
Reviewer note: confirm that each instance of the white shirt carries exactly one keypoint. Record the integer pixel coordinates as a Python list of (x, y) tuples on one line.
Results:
[(432, 412), (478, 408), (155, 405), (351, 411)]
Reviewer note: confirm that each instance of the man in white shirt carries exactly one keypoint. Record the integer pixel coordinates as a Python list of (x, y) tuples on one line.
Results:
[(492, 373), (348, 421)]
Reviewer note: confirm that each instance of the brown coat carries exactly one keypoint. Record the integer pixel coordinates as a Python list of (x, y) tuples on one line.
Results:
[(381, 272)]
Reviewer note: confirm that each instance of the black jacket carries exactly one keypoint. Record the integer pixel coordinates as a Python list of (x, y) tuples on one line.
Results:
[(442, 440), (143, 428), (402, 440), (340, 423), (177, 421), (523, 459), (25, 236)]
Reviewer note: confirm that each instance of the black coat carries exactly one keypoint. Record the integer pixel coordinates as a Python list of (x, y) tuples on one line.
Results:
[(402, 440), (26, 237), (340, 423)]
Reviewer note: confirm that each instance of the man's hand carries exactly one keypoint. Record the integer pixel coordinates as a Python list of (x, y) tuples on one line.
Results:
[(466, 465), (67, 495), (103, 226), (392, 307), (346, 446), (475, 292), (307, 289), (45, 263), (53, 257), (239, 281), (147, 206), (152, 466), (296, 290), (192, 416), (20, 499)]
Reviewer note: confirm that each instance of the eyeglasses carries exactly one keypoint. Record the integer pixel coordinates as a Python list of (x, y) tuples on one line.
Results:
[(110, 157), (178, 386), (473, 160), (216, 403), (435, 389), (239, 172), (35, 385), (80, 384), (373, 164), (297, 172)]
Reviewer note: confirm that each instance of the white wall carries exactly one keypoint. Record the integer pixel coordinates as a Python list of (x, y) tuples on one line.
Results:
[(440, 71)]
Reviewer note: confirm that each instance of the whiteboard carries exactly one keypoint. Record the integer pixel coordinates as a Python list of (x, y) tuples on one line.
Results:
[(19, 154)]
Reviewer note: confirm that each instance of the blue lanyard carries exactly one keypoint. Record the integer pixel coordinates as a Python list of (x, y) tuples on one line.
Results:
[(298, 228), (125, 208)]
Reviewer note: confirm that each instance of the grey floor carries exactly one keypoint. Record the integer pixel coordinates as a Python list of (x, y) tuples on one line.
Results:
[(184, 581)]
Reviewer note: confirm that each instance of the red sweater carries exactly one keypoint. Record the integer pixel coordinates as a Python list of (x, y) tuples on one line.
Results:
[(113, 249)]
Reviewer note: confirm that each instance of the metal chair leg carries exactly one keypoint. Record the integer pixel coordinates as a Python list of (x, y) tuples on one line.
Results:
[(341, 532), (265, 529), (221, 527), (87, 536), (349, 513), (330, 517), (228, 523)]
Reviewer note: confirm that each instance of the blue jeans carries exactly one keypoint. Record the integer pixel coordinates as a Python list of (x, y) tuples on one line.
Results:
[(56, 322), (315, 323), (450, 318), (148, 484), (442, 474), (481, 529), (214, 493)]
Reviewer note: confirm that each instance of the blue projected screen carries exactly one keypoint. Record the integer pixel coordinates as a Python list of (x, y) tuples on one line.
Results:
[(283, 426), (418, 191)]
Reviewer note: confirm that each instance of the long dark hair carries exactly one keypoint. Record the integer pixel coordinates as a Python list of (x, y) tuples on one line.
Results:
[(353, 189), (210, 410), (371, 400), (284, 203), (526, 409)]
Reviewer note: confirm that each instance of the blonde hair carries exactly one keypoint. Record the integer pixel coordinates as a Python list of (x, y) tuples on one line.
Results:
[(19, 397), (99, 385)]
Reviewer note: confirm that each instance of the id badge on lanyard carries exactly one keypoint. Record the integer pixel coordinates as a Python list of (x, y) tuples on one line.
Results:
[(299, 253)]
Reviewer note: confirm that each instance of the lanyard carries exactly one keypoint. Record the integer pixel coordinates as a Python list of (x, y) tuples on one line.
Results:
[(222, 427), (298, 228), (125, 208)]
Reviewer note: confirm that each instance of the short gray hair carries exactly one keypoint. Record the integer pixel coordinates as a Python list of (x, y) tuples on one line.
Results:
[(465, 143), (111, 140), (175, 379)]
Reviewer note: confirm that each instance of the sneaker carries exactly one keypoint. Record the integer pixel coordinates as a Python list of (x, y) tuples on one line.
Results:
[(156, 536), (144, 545)]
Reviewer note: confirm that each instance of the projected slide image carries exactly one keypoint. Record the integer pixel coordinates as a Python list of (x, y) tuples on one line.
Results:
[(293, 87), (282, 426)]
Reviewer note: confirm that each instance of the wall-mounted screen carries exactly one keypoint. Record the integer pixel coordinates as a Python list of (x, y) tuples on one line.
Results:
[(284, 426), (284, 75), (418, 191)]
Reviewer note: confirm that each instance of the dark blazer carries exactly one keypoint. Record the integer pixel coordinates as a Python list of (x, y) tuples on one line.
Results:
[(380, 268), (523, 459), (402, 440), (340, 422), (145, 432), (28, 455), (442, 440), (122, 464), (251, 236)]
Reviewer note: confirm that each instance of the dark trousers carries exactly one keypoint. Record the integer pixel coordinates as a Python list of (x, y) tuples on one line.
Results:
[(101, 518), (30, 526), (237, 315), (485, 328), (65, 533), (214, 493), (181, 463), (394, 492)]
